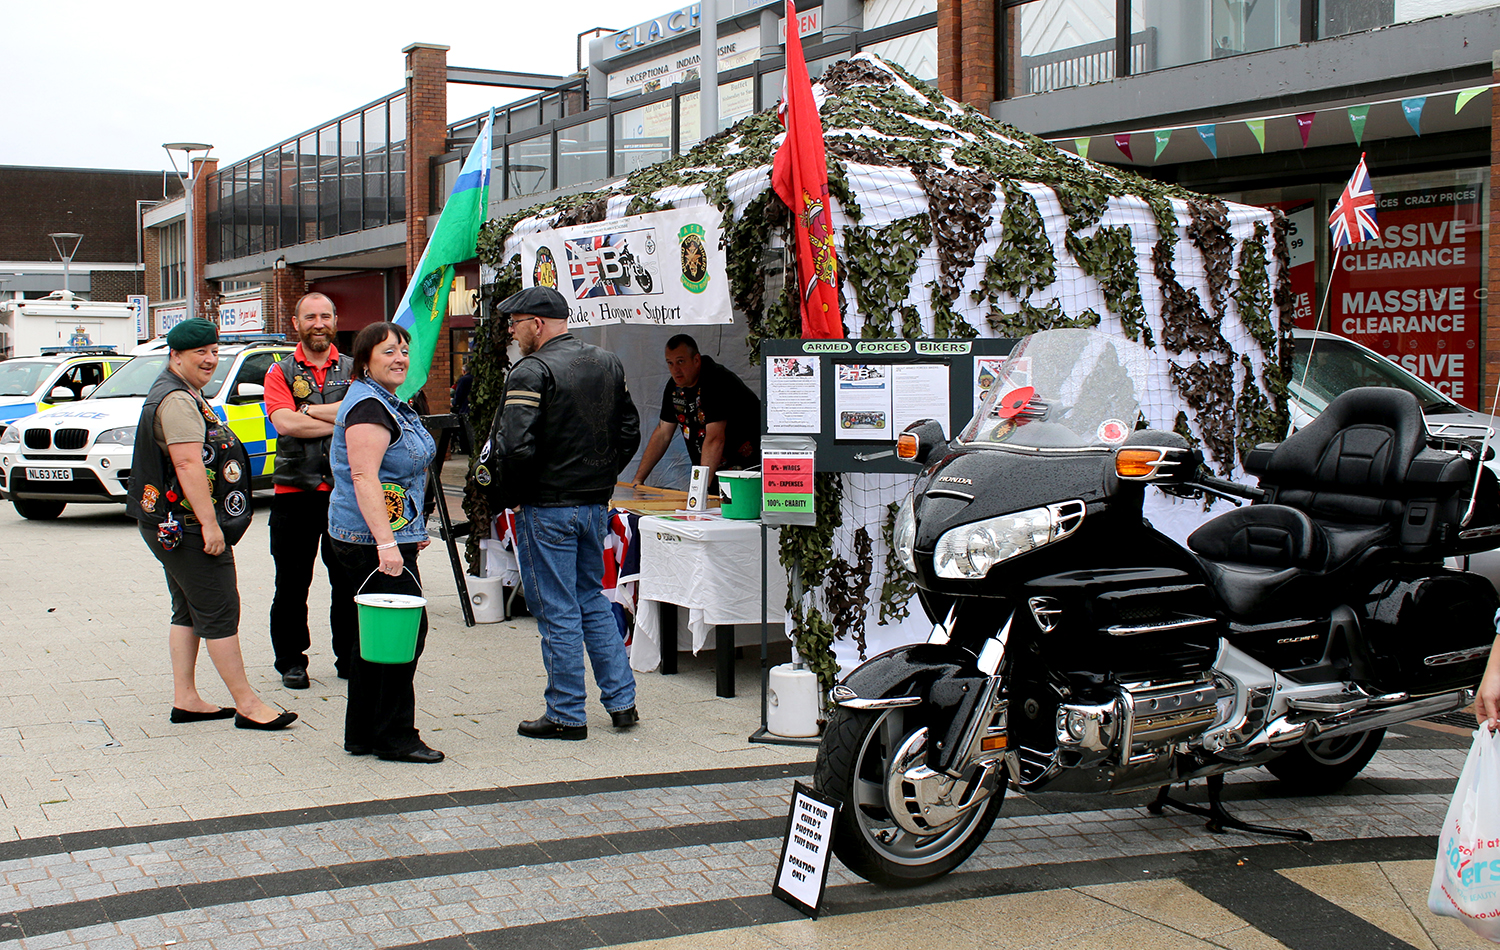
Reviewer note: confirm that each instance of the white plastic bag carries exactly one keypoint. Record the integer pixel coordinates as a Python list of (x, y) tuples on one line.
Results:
[(1466, 878)]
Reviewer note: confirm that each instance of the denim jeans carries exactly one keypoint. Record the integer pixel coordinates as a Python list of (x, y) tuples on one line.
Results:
[(561, 552)]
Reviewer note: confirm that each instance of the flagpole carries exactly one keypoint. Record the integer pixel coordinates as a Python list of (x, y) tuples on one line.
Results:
[(1322, 312)]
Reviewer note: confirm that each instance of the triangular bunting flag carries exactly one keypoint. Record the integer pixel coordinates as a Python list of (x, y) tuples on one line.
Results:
[(1163, 136), (1082, 146), (1122, 142), (1206, 132), (1465, 96), (1258, 129), (1304, 125), (1413, 110), (1357, 116)]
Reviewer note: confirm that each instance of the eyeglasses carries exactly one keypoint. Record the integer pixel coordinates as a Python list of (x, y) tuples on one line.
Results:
[(516, 320)]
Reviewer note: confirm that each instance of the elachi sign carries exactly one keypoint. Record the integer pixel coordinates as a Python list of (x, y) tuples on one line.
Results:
[(652, 31)]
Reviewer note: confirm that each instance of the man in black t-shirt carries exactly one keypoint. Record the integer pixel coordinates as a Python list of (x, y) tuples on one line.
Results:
[(718, 415)]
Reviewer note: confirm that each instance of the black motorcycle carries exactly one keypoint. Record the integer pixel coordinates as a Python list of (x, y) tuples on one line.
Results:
[(1076, 648)]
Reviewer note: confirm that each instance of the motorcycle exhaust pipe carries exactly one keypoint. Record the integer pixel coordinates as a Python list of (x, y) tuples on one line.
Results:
[(1365, 720)]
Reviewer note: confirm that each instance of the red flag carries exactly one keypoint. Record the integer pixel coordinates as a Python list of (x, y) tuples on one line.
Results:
[(800, 177)]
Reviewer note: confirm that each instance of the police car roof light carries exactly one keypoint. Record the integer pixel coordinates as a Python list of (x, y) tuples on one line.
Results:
[(252, 337), (100, 350)]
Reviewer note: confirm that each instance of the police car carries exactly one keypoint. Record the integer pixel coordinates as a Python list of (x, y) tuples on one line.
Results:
[(60, 374), (81, 452)]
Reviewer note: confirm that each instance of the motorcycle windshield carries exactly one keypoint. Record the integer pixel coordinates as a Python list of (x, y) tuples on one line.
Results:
[(1063, 390)]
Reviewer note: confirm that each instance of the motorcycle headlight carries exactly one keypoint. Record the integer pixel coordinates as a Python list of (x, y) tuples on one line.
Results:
[(969, 551), (10, 435), (121, 436), (904, 537)]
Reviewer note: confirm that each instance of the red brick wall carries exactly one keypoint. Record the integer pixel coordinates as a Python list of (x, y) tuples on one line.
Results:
[(950, 48), (979, 53), (426, 138), (288, 284), (98, 204)]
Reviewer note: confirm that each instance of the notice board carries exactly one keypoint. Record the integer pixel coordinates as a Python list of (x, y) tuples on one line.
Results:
[(853, 397)]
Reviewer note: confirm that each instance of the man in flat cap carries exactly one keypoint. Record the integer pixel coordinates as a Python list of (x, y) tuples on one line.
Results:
[(564, 433), (190, 493)]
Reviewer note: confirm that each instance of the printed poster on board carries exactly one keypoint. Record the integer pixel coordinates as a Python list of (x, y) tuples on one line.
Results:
[(1412, 295), (661, 269)]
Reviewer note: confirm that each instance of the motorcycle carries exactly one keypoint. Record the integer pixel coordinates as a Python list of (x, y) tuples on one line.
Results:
[(1076, 648)]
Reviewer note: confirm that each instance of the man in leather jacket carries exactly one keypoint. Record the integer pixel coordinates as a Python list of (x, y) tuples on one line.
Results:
[(564, 433), (303, 392)]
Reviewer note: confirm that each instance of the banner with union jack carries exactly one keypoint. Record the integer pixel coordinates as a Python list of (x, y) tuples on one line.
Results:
[(1353, 218)]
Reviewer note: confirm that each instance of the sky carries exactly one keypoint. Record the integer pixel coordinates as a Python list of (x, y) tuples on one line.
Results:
[(89, 84)]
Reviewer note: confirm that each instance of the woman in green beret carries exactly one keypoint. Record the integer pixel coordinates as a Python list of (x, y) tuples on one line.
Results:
[(190, 492)]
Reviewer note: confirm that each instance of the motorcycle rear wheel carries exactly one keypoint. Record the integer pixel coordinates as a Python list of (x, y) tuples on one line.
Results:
[(1318, 767), (854, 765)]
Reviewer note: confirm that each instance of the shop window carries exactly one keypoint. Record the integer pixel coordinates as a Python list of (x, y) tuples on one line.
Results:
[(529, 171), (643, 136), (914, 52), (581, 153)]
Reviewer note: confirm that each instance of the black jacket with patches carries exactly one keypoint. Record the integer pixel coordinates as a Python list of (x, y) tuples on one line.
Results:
[(567, 428)]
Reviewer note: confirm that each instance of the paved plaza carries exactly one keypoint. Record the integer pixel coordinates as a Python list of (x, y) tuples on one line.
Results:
[(120, 830)]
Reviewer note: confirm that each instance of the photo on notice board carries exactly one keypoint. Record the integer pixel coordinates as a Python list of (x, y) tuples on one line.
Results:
[(793, 399), (862, 400)]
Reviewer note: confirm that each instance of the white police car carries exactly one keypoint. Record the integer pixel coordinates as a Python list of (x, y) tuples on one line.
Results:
[(60, 374), (81, 452)]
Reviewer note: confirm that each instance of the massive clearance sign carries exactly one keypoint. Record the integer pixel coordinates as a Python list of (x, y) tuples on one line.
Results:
[(1413, 293), (659, 269)]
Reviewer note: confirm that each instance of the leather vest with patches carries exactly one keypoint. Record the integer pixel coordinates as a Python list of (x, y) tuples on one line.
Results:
[(154, 491), (304, 463)]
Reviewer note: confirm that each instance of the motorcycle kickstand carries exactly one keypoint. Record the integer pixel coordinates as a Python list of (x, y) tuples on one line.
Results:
[(1218, 819)]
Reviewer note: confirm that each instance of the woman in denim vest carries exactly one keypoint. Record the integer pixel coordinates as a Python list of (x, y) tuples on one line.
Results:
[(380, 456)]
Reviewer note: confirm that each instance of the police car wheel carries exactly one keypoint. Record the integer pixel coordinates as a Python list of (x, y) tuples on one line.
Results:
[(38, 510)]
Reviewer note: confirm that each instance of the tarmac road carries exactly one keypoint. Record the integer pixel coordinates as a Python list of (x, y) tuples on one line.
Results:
[(119, 830)]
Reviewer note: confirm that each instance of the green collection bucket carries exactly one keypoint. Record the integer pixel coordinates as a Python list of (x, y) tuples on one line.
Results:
[(388, 625), (739, 495)]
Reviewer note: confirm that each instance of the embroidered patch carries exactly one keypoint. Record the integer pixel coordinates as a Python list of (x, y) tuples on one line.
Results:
[(395, 505), (234, 504), (149, 496), (209, 454), (482, 476), (301, 388), (232, 471)]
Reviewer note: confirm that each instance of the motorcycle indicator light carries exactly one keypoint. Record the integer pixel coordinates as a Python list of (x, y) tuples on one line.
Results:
[(1137, 463), (907, 445)]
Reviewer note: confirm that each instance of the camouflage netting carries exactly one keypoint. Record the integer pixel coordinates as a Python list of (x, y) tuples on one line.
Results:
[(951, 224)]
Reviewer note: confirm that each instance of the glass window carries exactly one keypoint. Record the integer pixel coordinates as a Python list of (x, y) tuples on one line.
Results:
[(581, 153), (398, 159), (240, 211), (886, 12), (914, 52), (770, 87), (1065, 43), (1174, 32), (287, 210), (328, 181), (529, 171), (736, 100), (307, 187), (253, 209), (376, 210), (643, 136), (687, 122), (351, 173), (172, 250)]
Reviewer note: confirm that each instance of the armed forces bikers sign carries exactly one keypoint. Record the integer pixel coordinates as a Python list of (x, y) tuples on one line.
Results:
[(663, 269)]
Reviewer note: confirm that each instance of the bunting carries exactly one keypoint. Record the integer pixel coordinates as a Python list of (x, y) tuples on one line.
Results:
[(1082, 147), (1465, 97), (1413, 109), (1122, 142), (1258, 129), (1304, 125), (1163, 136), (1210, 138), (1357, 117)]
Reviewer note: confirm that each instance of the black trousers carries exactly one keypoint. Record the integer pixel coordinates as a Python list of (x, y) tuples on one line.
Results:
[(299, 527), (382, 700)]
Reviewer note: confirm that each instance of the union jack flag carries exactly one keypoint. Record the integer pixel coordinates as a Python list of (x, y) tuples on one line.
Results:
[(1353, 218)]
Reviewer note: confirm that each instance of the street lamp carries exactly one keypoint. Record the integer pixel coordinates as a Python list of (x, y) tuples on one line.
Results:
[(69, 240), (189, 176)]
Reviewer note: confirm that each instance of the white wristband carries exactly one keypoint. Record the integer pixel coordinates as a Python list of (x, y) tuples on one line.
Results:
[(383, 547)]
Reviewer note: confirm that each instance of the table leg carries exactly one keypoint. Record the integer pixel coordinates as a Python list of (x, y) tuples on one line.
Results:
[(724, 659), (668, 639)]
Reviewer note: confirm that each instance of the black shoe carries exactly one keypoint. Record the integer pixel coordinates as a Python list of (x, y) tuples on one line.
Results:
[(184, 715), (625, 718), (421, 754), (544, 728), (280, 722), (295, 678), (354, 748)]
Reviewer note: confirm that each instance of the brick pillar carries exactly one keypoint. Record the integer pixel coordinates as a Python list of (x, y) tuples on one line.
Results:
[(979, 54), (204, 294), (950, 48), (288, 284), (1491, 334), (426, 138)]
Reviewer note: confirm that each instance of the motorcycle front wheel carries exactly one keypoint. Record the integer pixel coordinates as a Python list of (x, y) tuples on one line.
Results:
[(862, 764)]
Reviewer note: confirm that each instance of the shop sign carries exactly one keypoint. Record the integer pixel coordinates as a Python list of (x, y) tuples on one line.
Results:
[(241, 316), (736, 49), (807, 24), (169, 317), (1413, 294), (140, 304), (660, 269), (654, 31)]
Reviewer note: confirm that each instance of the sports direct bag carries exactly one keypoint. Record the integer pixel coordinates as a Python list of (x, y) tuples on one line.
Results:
[(1466, 879)]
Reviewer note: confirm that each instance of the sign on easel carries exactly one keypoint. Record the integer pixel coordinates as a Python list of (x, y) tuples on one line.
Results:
[(802, 873)]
